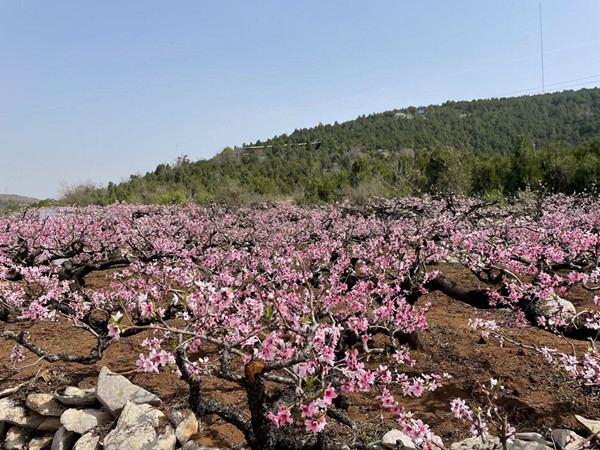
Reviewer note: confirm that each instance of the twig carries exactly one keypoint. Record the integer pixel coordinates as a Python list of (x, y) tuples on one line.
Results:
[(12, 390)]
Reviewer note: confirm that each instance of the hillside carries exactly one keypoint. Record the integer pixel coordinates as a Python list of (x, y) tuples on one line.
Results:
[(9, 201), (493, 146), (480, 126)]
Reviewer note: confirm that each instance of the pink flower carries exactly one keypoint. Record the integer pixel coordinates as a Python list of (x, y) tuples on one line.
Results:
[(165, 358), (309, 410), (315, 425), (17, 353), (284, 416), (327, 355), (146, 364), (460, 409), (273, 418), (113, 330), (329, 395), (388, 402), (146, 309)]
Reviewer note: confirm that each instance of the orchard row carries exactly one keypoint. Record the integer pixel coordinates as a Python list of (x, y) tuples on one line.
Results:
[(316, 301)]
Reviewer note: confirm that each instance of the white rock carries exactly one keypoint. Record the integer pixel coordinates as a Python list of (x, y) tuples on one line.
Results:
[(536, 437), (187, 428), (83, 420), (114, 391), (438, 440), (554, 307), (15, 438), (527, 445), (45, 404), (592, 425), (39, 443), (475, 444), (73, 396), (392, 437), (563, 438), (87, 442), (63, 439), (137, 430), (17, 415), (176, 418), (166, 441), (452, 259)]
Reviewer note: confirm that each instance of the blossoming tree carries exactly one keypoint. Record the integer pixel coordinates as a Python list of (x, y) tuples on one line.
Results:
[(299, 307)]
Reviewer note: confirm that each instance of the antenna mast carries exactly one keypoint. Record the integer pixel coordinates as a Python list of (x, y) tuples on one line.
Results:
[(542, 50)]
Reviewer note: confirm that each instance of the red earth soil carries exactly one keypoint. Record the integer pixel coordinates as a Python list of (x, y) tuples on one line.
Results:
[(537, 396)]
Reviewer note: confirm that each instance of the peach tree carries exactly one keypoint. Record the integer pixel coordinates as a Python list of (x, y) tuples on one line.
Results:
[(299, 306)]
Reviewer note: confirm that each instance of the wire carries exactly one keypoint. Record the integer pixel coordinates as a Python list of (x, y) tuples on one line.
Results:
[(554, 84), (580, 84)]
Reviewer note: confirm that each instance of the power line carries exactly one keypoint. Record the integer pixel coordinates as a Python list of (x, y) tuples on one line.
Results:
[(581, 84), (576, 79), (553, 85), (538, 89)]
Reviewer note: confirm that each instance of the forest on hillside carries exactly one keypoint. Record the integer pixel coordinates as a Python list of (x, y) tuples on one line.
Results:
[(8, 201), (493, 147)]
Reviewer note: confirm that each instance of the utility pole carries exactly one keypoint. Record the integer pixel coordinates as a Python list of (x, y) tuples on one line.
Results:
[(542, 50)]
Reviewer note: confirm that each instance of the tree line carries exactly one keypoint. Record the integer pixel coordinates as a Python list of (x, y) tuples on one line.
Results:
[(492, 147)]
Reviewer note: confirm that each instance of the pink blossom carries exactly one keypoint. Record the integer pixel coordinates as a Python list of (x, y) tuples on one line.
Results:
[(114, 331), (329, 395), (17, 353), (309, 410), (146, 309), (315, 425)]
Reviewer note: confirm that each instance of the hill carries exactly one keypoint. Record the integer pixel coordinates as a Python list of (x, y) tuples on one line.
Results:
[(15, 201), (479, 147)]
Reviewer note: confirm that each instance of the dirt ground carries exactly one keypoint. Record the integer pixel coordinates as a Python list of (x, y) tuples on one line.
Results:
[(537, 396)]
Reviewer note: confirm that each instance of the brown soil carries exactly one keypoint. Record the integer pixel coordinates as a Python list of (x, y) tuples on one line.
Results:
[(537, 396)]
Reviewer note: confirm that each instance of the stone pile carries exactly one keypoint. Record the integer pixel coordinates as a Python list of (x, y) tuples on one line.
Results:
[(559, 439), (114, 415), (117, 414)]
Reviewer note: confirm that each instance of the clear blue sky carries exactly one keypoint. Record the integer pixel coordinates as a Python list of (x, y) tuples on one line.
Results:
[(98, 90)]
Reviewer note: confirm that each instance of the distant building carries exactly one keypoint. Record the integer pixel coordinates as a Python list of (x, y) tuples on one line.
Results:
[(402, 115)]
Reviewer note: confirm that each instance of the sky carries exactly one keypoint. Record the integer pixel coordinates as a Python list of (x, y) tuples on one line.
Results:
[(99, 90)]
